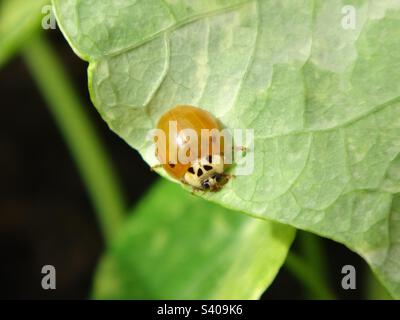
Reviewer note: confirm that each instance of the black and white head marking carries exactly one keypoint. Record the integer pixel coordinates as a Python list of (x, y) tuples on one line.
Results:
[(205, 173)]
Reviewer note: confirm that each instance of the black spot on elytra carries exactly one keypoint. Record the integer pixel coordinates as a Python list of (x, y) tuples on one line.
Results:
[(191, 170), (207, 167), (199, 172), (172, 165), (210, 158)]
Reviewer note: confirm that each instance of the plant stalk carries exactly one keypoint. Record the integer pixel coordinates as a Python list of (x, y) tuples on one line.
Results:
[(311, 268), (71, 117)]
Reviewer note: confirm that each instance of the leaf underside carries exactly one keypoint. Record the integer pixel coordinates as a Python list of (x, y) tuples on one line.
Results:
[(323, 100)]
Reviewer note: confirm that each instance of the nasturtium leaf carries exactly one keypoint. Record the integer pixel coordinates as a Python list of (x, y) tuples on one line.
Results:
[(18, 20), (177, 246), (318, 81)]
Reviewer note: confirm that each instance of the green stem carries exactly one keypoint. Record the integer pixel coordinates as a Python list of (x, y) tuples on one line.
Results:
[(311, 269), (314, 253), (79, 133), (307, 276)]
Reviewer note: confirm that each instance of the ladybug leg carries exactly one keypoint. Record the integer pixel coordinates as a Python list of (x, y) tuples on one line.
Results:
[(239, 148), (228, 176), (195, 191), (217, 188), (156, 166)]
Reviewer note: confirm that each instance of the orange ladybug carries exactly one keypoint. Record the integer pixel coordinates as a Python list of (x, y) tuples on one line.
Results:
[(203, 170)]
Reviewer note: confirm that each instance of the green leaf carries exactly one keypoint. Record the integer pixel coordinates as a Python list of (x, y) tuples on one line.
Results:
[(374, 289), (18, 20), (323, 100), (177, 246)]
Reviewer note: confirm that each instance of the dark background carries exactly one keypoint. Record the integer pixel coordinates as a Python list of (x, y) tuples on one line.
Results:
[(45, 213)]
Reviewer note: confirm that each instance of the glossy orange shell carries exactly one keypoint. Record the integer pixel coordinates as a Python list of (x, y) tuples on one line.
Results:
[(186, 117)]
